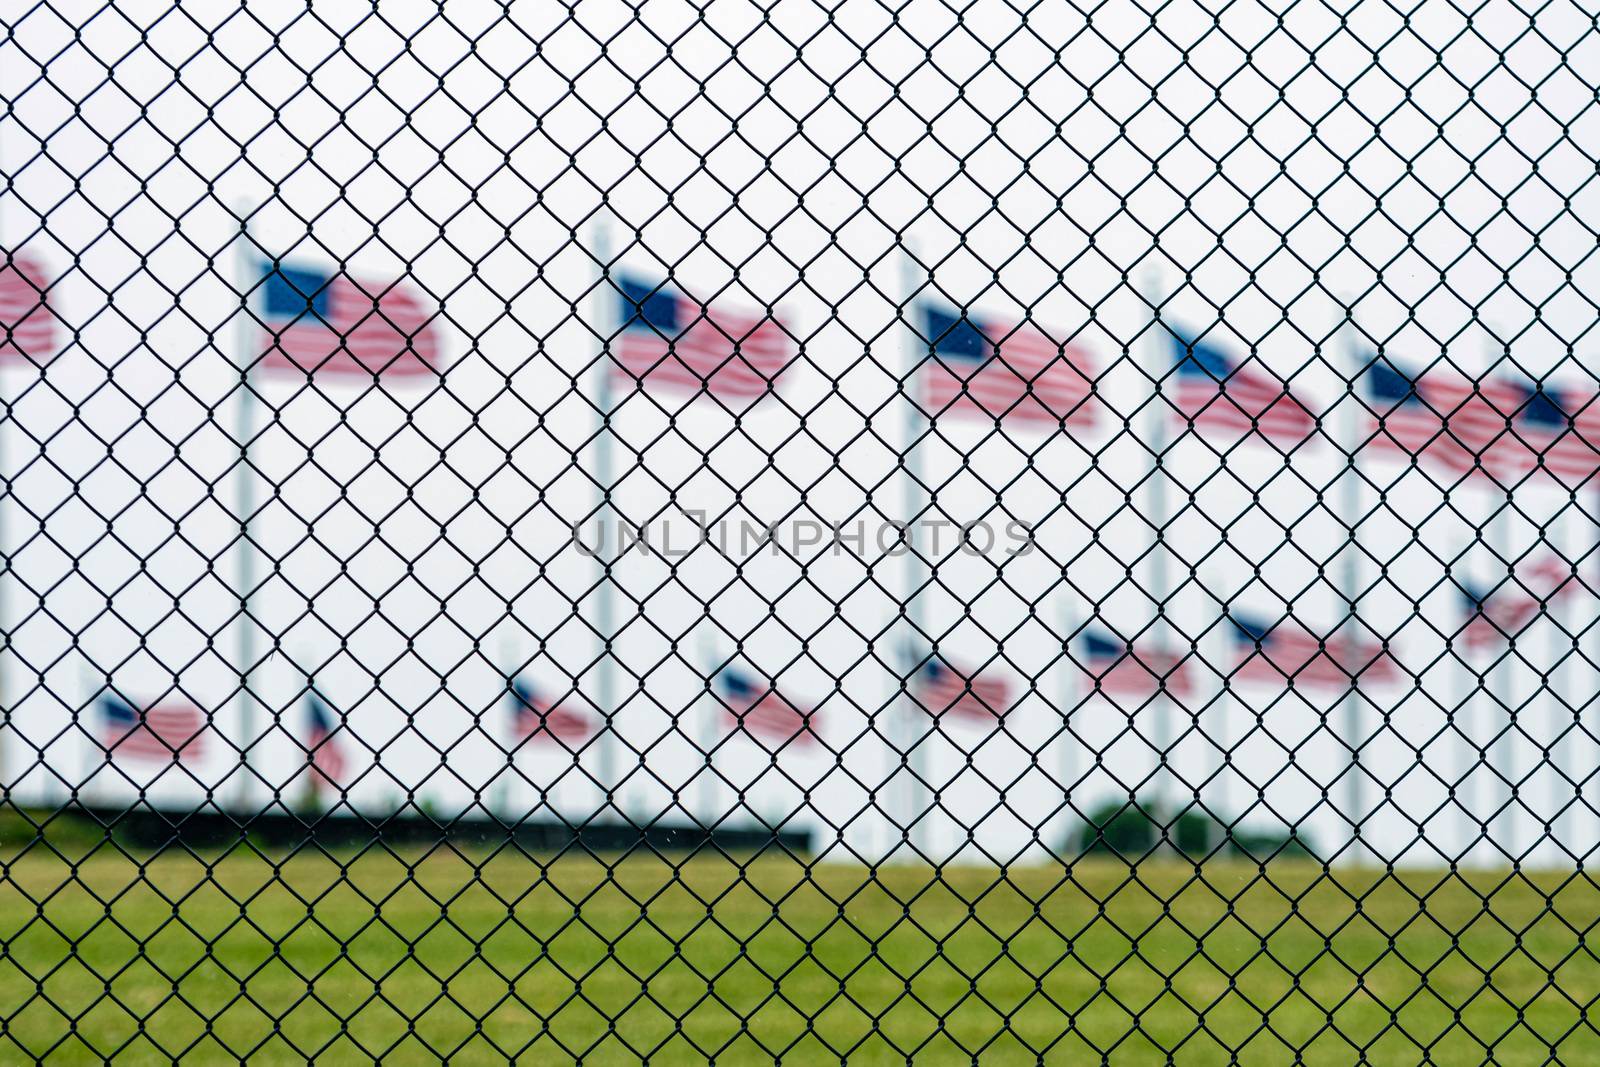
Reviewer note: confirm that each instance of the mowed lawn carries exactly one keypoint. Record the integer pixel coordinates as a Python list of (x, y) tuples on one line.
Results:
[(484, 958)]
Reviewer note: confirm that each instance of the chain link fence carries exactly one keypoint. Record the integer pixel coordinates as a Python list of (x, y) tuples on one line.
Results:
[(793, 531)]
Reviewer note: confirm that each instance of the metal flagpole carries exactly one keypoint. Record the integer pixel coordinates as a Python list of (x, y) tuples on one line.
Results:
[(1071, 695), (1463, 717), (247, 279), (299, 710), (1463, 724), (1224, 710), (1561, 693), (1580, 825), (1350, 504), (603, 304), (7, 696), (6, 699), (7, 652), (500, 799), (914, 721), (1501, 717), (1466, 715), (1497, 714), (93, 755), (1158, 361), (706, 732)]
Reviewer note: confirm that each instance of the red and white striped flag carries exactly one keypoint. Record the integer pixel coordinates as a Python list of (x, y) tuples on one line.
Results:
[(165, 733), (983, 697), (669, 341), (1478, 416), (1285, 652), (1222, 398), (763, 712), (1493, 618), (536, 718), (1405, 416), (27, 323), (989, 370), (1549, 431), (1120, 668), (323, 748), (1558, 429), (314, 322), (1488, 427)]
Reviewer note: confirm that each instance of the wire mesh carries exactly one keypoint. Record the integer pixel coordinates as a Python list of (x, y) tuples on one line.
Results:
[(740, 531)]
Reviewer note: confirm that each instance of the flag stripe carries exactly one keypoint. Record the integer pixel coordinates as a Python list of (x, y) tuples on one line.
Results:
[(164, 733), (1289, 652), (762, 712), (27, 322), (1493, 618), (727, 354), (775, 718), (326, 753), (535, 719), (940, 689), (368, 328), (1114, 669), (1548, 433), (1005, 371), (1219, 395)]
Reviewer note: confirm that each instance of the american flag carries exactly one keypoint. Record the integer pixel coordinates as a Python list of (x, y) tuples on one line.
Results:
[(313, 322), (761, 711), (982, 697), (27, 324), (1547, 433), (988, 369), (535, 718), (164, 733), (1406, 419), (1274, 654), (323, 749), (1478, 415), (1119, 668), (1222, 397), (1493, 617), (669, 341)]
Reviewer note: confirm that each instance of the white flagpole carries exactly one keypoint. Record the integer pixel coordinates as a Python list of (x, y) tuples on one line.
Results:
[(1158, 362), (603, 316), (93, 755), (1468, 715), (6, 697), (1225, 710), (706, 732), (301, 715), (913, 721), (1502, 719), (1464, 720), (1498, 716), (1462, 717), (1350, 504), (244, 506), (1579, 824), (500, 799), (1561, 693), (1071, 694)]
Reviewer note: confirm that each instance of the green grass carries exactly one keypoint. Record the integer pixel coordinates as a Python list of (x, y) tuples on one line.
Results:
[(485, 958)]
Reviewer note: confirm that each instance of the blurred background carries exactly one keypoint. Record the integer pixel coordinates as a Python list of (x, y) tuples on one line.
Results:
[(1304, 191)]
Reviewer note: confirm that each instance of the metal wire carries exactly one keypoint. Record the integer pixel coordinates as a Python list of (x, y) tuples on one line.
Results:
[(737, 531)]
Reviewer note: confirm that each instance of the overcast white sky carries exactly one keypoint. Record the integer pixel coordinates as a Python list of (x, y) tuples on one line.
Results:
[(1253, 169)]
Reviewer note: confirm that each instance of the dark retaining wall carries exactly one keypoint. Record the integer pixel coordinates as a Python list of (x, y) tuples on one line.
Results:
[(152, 828)]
